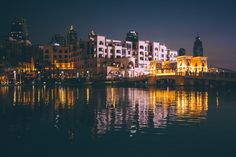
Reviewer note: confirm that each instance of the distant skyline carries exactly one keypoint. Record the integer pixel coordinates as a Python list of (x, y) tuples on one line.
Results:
[(174, 23)]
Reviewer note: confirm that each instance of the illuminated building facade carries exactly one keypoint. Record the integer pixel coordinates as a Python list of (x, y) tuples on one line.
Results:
[(57, 56), (195, 64), (191, 65), (131, 57)]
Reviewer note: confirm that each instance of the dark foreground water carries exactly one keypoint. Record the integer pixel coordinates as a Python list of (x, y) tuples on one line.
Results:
[(106, 121)]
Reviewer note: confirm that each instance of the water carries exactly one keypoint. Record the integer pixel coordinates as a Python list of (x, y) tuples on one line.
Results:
[(109, 121)]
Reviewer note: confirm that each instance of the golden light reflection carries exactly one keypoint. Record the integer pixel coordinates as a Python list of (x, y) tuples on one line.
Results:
[(193, 104), (150, 107), (112, 97), (115, 108), (87, 95), (60, 97)]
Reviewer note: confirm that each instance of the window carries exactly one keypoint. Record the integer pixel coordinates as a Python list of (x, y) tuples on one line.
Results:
[(65, 56), (60, 56), (55, 56), (162, 55), (156, 49), (54, 49), (60, 51), (162, 50), (118, 51), (46, 51), (141, 52), (100, 55), (128, 46), (101, 43), (66, 51), (100, 49), (123, 52), (141, 47)]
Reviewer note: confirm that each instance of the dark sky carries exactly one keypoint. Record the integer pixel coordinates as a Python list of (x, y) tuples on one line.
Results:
[(174, 22)]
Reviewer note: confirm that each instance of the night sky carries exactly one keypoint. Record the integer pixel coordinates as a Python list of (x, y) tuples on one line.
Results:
[(174, 22)]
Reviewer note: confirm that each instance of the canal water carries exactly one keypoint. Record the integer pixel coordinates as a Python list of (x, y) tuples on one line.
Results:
[(112, 121)]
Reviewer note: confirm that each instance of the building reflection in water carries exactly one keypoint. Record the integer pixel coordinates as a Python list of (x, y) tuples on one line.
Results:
[(103, 110), (152, 108)]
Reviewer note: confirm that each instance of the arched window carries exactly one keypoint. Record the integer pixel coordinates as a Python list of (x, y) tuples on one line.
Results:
[(101, 43)]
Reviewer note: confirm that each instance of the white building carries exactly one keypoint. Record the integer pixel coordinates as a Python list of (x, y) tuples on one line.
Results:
[(110, 52)]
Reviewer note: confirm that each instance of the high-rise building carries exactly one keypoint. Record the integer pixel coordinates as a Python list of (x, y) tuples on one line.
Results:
[(72, 38), (197, 48), (132, 36), (19, 29), (58, 40)]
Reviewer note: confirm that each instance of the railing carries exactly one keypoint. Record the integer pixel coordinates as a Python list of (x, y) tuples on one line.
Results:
[(209, 75)]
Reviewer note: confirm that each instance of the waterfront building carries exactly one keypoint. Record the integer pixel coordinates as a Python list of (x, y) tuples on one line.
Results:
[(104, 58), (188, 65), (57, 56), (128, 58)]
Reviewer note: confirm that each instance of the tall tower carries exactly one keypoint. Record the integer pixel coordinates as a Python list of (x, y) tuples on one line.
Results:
[(72, 38), (133, 37), (197, 48), (19, 29), (58, 39)]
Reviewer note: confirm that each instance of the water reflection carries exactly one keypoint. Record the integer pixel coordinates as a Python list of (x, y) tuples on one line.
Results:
[(95, 111), (150, 108)]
